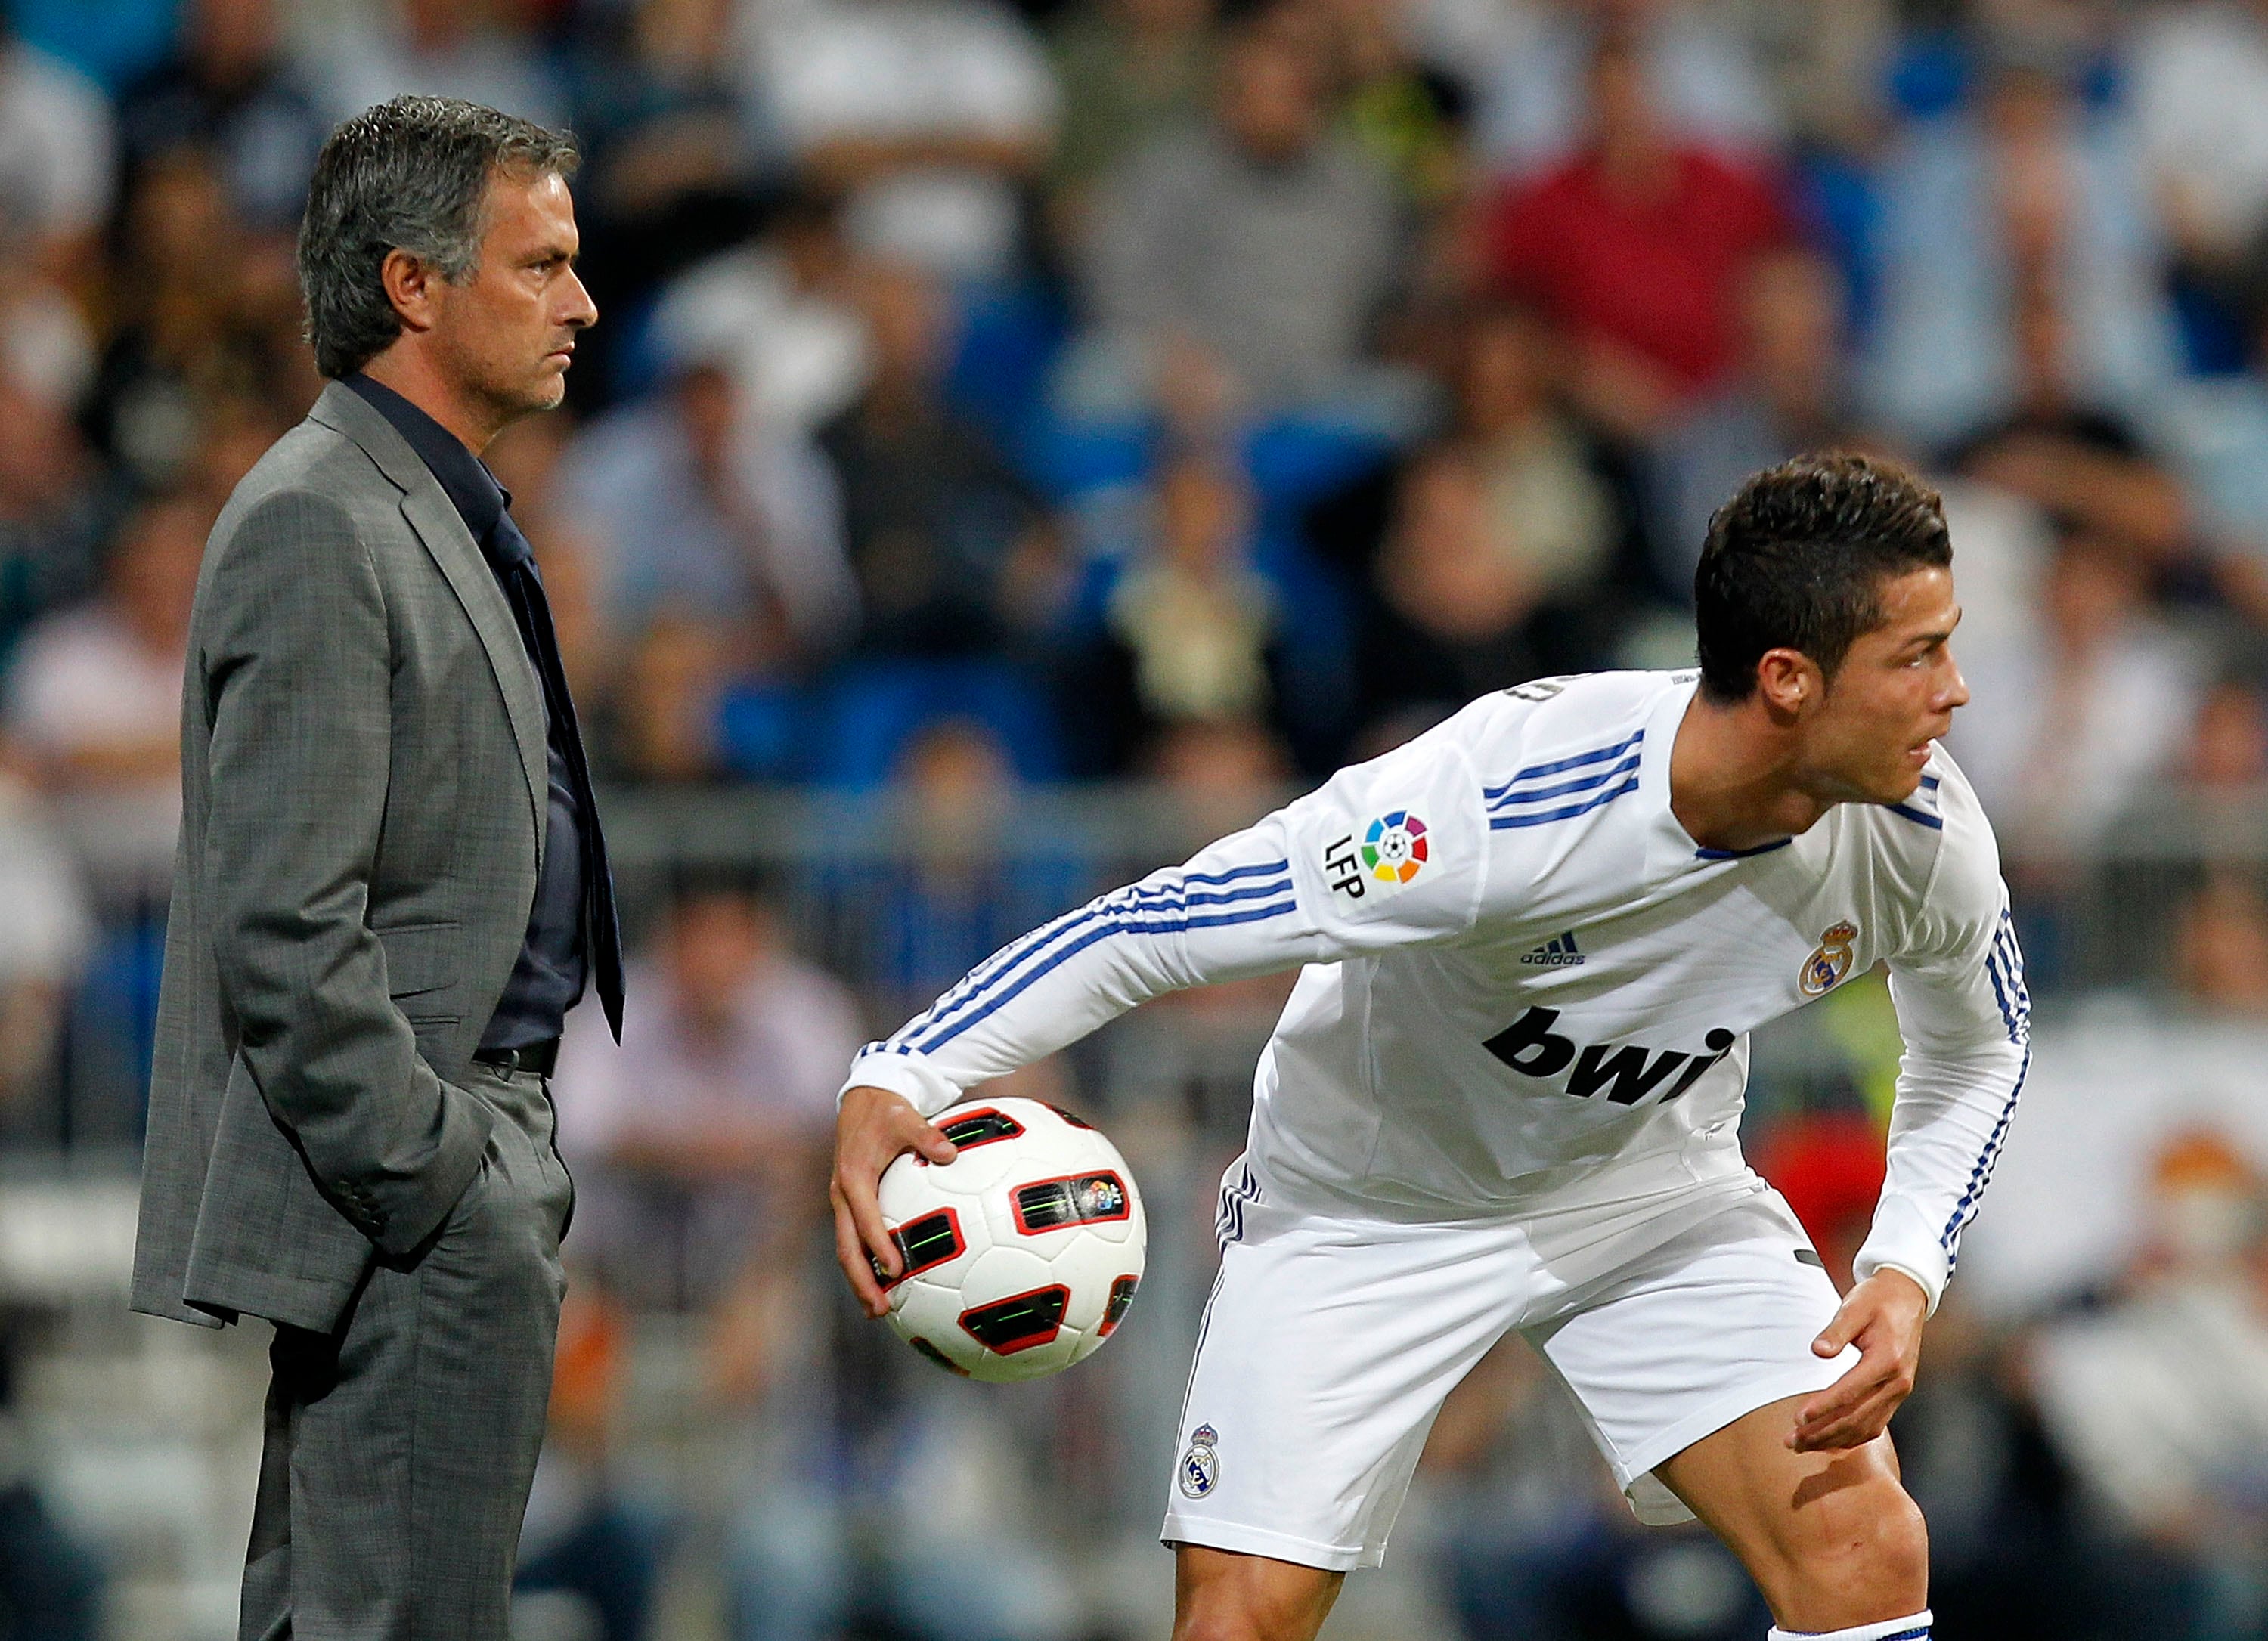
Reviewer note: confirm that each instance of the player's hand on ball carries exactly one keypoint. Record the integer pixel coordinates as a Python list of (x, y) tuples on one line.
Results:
[(873, 1128), (1883, 1316)]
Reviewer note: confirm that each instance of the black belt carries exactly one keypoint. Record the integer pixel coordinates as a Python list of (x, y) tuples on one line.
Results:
[(538, 1057)]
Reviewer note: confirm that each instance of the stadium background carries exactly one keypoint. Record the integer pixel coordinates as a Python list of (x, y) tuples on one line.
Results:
[(1021, 443)]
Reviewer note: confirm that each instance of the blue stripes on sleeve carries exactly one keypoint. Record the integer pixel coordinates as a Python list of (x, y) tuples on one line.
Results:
[(2004, 965), (1179, 902), (1515, 803)]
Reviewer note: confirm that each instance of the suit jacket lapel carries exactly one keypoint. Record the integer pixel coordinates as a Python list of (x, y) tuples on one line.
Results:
[(451, 545)]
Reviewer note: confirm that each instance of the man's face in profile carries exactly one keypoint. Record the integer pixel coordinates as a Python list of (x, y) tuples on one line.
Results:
[(507, 333)]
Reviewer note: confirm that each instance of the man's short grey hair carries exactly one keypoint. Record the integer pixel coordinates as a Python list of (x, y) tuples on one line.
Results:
[(408, 174)]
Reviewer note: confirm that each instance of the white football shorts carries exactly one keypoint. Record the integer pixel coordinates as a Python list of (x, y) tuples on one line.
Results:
[(1329, 1344)]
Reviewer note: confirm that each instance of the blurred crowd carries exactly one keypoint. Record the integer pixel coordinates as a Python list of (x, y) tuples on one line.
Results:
[(1090, 371), (1206, 392)]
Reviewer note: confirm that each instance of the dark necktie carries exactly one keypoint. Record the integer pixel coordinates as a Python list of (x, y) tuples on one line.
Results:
[(515, 563)]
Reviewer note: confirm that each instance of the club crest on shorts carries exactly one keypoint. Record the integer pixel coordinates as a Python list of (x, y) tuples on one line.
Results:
[(1829, 960), (1200, 1469)]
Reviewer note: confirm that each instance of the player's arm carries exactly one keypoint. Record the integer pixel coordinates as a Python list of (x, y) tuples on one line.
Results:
[(1295, 888), (1959, 987)]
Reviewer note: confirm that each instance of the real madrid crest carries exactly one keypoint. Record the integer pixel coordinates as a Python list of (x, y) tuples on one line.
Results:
[(1829, 960), (1200, 1465)]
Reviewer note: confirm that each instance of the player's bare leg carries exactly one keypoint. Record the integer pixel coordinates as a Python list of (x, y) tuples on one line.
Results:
[(1831, 1538), (1220, 1595)]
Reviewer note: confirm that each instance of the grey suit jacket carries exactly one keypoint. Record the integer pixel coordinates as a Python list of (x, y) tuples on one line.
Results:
[(364, 785)]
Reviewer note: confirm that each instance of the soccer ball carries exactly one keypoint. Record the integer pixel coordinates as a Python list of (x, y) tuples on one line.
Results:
[(1023, 1253)]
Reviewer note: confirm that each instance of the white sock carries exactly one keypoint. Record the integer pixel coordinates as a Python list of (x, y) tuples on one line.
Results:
[(1913, 1629)]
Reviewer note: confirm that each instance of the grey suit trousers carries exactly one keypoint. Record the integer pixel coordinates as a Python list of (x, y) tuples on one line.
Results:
[(400, 1444)]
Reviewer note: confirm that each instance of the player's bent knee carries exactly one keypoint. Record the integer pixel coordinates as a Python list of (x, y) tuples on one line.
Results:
[(1900, 1551), (1866, 1558)]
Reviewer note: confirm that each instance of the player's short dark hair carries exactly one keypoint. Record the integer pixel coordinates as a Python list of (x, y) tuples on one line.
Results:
[(408, 174), (1797, 559)]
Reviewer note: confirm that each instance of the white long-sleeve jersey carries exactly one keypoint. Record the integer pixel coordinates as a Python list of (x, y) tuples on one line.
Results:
[(1526, 988)]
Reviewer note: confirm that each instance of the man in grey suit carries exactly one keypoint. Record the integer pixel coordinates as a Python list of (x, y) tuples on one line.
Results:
[(391, 887)]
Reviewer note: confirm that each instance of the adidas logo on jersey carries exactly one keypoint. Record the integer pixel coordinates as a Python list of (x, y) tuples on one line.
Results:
[(1558, 954)]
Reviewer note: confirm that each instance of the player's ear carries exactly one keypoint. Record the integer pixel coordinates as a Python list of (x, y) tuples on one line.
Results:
[(1788, 680)]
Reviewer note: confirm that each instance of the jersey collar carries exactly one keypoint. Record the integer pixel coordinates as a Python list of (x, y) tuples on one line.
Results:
[(1670, 850)]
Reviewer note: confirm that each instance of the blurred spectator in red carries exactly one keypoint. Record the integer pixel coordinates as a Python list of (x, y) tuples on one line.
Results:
[(2087, 713), (2199, 93), (948, 545), (1128, 70), (480, 50), (1828, 1166), (2019, 247), (698, 1144), (2160, 1401), (927, 114), (694, 503), (780, 313), (95, 696), (1235, 268), (231, 88), (1526, 59), (1791, 393), (56, 156), (1189, 626), (1636, 246)]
